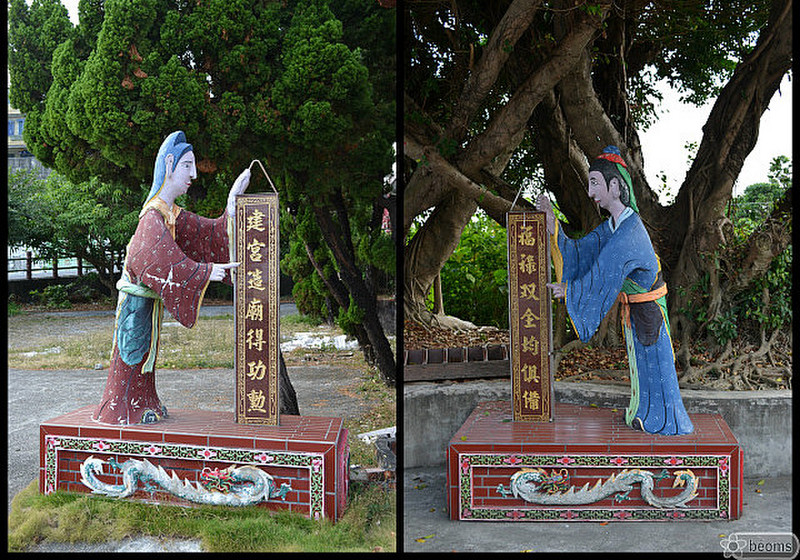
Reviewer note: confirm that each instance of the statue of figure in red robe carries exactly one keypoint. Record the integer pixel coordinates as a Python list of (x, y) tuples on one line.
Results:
[(170, 261)]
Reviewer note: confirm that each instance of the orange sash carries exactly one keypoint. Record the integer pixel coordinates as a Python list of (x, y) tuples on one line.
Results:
[(626, 299)]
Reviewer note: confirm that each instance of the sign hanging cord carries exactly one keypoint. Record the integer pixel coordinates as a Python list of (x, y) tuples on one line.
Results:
[(265, 174)]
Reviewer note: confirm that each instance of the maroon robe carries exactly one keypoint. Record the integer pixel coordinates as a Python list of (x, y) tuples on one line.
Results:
[(171, 253)]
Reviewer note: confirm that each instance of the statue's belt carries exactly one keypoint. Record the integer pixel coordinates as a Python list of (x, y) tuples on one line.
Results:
[(136, 289), (627, 299)]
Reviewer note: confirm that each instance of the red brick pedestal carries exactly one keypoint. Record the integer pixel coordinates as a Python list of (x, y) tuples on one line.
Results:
[(309, 453), (590, 444)]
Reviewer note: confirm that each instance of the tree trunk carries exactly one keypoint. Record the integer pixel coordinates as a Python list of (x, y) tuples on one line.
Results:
[(426, 254), (438, 300), (376, 348), (456, 186), (287, 397), (693, 224)]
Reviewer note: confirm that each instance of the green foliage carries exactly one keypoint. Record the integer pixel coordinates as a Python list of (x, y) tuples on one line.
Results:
[(475, 278), (777, 285), (750, 209), (58, 218), (305, 86), (724, 327), (349, 318), (33, 38), (13, 309), (309, 291), (699, 44), (55, 296), (244, 80), (86, 288), (27, 210), (768, 301)]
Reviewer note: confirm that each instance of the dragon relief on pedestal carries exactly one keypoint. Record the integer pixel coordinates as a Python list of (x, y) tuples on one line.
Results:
[(234, 486), (536, 486)]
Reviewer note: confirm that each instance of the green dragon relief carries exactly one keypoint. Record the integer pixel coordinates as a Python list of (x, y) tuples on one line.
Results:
[(535, 486)]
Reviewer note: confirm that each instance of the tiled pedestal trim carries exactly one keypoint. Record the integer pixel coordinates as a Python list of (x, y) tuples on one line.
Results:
[(309, 453), (591, 444)]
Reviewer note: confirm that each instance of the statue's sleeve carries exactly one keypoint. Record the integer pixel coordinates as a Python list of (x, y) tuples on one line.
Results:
[(577, 255), (203, 239), (590, 294), (156, 260)]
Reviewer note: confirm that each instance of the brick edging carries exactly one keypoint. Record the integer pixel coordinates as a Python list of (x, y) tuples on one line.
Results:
[(424, 356)]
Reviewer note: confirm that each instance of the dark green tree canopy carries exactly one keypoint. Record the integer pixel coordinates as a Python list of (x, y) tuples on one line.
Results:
[(301, 85), (242, 79)]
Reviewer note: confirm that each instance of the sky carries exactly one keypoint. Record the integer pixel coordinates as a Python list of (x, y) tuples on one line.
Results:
[(663, 144)]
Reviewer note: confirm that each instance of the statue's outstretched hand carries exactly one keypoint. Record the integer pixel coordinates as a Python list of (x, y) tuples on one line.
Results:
[(239, 186), (221, 269), (558, 289), (543, 205)]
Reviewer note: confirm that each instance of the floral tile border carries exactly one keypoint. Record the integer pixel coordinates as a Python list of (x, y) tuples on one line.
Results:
[(314, 462), (467, 461)]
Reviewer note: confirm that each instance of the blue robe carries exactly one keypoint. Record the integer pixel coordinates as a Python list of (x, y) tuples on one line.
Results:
[(595, 269)]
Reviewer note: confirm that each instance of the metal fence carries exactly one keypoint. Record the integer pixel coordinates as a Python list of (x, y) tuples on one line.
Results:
[(31, 266)]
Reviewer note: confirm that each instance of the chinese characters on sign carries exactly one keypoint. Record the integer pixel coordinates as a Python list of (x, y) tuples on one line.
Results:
[(257, 309), (529, 317)]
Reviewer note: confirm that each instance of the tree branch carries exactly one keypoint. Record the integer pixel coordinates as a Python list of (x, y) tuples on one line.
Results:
[(495, 206), (515, 114), (515, 21), (581, 105)]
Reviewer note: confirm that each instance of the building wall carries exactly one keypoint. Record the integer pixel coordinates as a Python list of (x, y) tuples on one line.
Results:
[(18, 155)]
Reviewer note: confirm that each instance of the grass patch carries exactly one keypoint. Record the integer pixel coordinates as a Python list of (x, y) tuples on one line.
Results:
[(369, 523), (56, 343)]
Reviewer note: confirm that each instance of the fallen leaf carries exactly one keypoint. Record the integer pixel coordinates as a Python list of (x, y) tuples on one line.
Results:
[(760, 482), (423, 539), (432, 509), (604, 523), (463, 438)]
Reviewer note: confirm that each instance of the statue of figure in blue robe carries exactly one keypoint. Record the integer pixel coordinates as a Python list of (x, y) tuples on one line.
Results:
[(616, 261)]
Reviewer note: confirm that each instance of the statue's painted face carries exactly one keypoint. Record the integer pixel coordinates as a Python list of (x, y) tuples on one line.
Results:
[(181, 178), (600, 192)]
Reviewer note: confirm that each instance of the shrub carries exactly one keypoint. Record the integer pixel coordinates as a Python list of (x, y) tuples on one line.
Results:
[(55, 296), (475, 278)]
